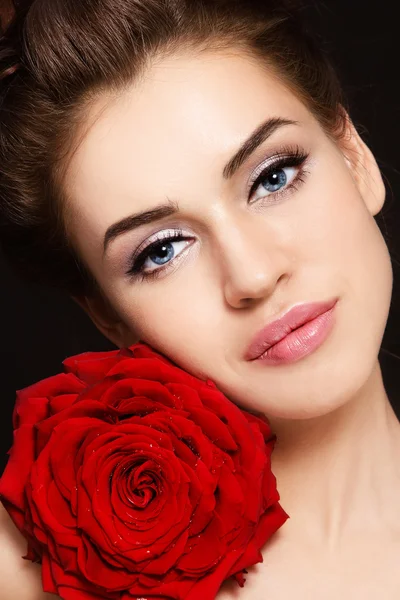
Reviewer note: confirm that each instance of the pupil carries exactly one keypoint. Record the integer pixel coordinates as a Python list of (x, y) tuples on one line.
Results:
[(162, 254)]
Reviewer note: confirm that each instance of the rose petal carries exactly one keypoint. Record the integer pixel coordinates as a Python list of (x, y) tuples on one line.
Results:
[(16, 473)]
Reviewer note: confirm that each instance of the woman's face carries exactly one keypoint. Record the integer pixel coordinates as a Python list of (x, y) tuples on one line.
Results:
[(250, 243)]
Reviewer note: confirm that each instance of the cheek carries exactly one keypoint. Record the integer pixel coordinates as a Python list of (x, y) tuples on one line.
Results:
[(345, 245), (180, 321), (338, 231)]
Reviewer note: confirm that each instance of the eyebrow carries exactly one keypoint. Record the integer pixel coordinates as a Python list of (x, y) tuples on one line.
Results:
[(255, 139)]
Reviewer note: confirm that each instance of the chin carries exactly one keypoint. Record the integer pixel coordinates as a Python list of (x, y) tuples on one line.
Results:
[(319, 389)]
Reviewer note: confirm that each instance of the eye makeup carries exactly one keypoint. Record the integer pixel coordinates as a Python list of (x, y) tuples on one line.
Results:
[(272, 169)]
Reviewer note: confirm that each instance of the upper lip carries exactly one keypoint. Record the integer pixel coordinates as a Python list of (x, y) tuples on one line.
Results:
[(275, 331)]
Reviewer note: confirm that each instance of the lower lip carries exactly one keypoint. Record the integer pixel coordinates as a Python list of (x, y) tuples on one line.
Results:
[(301, 341)]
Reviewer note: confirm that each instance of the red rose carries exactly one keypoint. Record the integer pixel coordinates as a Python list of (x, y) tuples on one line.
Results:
[(131, 479)]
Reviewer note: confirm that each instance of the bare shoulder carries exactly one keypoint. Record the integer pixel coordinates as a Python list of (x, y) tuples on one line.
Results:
[(18, 578)]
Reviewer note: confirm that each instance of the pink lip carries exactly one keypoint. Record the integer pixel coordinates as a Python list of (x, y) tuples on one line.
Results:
[(280, 329)]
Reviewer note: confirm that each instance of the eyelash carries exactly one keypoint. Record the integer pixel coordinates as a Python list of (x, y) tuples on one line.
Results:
[(287, 157)]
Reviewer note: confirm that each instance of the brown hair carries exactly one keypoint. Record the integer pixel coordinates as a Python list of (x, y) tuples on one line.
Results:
[(57, 55)]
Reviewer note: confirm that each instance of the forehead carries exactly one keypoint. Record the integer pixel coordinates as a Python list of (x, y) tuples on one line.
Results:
[(184, 118)]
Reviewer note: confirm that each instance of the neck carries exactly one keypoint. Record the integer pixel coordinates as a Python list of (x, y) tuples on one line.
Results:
[(338, 475)]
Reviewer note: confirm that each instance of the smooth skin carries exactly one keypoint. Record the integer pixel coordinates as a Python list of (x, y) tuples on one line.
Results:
[(245, 260)]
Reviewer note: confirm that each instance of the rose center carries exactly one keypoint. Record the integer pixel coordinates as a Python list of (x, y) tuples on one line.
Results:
[(143, 487)]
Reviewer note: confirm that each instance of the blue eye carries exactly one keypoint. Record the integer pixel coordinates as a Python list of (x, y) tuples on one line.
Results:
[(285, 172), (157, 255), (281, 174), (162, 253), (275, 181)]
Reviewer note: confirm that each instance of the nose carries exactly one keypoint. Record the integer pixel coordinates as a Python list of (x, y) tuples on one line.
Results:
[(253, 263)]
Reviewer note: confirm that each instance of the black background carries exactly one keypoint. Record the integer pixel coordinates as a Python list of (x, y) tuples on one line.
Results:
[(40, 327)]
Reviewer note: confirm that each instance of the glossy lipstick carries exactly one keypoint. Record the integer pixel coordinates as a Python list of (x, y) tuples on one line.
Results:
[(294, 335)]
